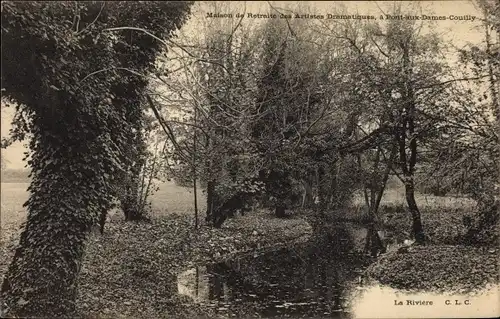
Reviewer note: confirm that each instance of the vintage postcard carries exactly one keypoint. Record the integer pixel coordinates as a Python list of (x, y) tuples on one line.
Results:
[(250, 159)]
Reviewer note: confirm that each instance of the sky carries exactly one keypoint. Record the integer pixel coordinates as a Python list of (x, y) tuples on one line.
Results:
[(458, 32)]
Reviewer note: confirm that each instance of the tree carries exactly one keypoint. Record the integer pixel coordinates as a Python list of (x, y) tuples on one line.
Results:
[(466, 156), (411, 92), (290, 102), (216, 86), (60, 63), (137, 52)]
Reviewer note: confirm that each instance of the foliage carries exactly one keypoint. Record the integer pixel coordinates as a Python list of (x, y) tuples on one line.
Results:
[(465, 157), (137, 52), (483, 227), (450, 269), (444, 225), (261, 125), (60, 65), (137, 189), (137, 274), (209, 139)]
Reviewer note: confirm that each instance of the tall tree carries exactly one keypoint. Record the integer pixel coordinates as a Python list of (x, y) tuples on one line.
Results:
[(289, 92), (217, 84), (393, 66), (465, 158), (60, 62)]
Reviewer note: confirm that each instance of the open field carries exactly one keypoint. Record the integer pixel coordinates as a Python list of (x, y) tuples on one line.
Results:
[(441, 216), (14, 195), (15, 176), (396, 197), (170, 198)]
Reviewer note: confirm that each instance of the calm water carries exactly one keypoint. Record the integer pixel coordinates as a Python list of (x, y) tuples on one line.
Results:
[(310, 280)]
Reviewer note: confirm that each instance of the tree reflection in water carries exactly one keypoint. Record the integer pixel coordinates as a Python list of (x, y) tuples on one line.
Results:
[(308, 280)]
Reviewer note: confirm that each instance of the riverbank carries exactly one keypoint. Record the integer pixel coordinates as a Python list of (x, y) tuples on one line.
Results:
[(437, 269), (130, 271), (450, 281), (445, 264)]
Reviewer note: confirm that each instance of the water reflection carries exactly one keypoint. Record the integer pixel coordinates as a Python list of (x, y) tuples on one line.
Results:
[(309, 280)]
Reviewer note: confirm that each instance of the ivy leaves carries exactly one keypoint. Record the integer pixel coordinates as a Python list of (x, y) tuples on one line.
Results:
[(80, 131)]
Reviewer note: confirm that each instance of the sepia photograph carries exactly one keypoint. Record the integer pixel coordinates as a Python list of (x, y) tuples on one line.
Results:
[(250, 159)]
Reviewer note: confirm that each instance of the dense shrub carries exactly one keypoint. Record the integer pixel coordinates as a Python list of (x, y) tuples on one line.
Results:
[(437, 268), (483, 226)]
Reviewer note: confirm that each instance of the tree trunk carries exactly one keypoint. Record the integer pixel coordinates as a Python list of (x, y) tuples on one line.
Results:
[(130, 201), (383, 183), (407, 131), (41, 279), (417, 229), (373, 243), (308, 198), (210, 202), (215, 214), (333, 197), (322, 190)]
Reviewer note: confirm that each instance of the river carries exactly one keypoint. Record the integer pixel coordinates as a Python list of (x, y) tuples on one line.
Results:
[(313, 279)]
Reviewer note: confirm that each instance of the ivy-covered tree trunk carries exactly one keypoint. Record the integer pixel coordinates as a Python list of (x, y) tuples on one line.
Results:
[(215, 215), (61, 71), (41, 279), (132, 192), (130, 203)]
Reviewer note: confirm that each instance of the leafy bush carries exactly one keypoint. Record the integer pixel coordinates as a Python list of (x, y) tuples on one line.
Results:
[(440, 268), (483, 226)]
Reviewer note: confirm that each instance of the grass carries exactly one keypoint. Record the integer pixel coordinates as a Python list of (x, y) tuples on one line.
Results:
[(12, 213), (171, 198), (15, 175), (442, 217), (438, 268), (396, 198)]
